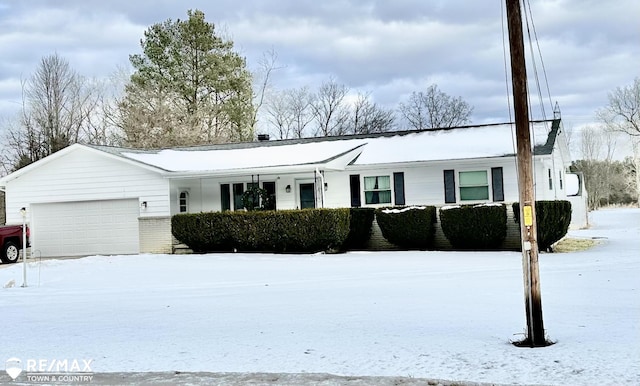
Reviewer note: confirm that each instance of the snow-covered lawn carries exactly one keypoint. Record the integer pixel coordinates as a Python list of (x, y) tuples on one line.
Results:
[(445, 315)]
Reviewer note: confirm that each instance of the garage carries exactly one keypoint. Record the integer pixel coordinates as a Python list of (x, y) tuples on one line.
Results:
[(83, 228)]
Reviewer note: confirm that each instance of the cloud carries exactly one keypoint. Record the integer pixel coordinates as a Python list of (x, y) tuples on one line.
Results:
[(387, 48)]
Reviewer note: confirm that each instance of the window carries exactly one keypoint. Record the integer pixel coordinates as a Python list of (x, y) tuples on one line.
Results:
[(474, 185), (270, 203), (550, 180), (183, 202), (377, 190), (239, 189)]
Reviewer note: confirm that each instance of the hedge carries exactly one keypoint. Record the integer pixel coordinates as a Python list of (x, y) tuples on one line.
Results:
[(307, 230), (552, 221), (360, 223), (408, 227), (474, 226)]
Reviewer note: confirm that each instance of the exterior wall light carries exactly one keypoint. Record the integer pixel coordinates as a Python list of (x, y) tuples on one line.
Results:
[(143, 205), (288, 189)]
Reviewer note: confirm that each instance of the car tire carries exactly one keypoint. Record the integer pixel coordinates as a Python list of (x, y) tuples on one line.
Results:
[(10, 252)]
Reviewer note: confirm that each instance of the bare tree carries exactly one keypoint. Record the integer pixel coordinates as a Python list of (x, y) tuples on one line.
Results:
[(301, 103), (290, 112), (597, 147), (367, 117), (622, 114), (57, 103), (149, 119), (262, 81), (435, 109), (623, 111), (279, 115), (105, 124), (634, 169), (597, 143), (330, 110)]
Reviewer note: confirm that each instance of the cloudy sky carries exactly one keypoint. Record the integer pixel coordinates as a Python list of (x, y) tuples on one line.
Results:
[(386, 48)]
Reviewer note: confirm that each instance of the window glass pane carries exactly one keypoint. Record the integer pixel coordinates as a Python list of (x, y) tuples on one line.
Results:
[(371, 197), (270, 203), (238, 189), (377, 190), (183, 201), (370, 183), (378, 197), (474, 193), (384, 182), (385, 197), (473, 178), (225, 200)]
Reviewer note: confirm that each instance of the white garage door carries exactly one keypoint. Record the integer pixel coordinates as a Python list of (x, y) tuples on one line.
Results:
[(85, 228)]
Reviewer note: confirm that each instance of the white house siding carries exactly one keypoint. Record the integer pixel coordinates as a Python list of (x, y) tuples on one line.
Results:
[(85, 175), (424, 182)]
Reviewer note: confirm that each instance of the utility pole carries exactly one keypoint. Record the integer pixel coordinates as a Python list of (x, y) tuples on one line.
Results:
[(533, 302)]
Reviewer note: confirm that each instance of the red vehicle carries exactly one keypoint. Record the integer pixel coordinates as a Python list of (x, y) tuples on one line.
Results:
[(11, 242)]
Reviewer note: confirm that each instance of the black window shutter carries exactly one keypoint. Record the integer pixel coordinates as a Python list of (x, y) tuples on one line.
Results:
[(225, 199), (398, 188), (354, 183), (449, 186), (498, 186)]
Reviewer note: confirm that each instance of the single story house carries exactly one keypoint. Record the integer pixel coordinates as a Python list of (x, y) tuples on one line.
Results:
[(89, 199)]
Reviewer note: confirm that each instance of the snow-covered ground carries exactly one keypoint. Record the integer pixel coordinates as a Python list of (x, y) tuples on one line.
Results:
[(444, 315)]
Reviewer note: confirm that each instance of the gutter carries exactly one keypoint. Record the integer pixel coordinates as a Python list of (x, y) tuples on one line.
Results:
[(290, 169)]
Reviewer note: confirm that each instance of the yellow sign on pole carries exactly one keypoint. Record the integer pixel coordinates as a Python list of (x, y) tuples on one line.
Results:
[(528, 215)]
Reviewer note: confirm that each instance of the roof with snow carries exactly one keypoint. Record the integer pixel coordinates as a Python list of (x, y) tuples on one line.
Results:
[(469, 142)]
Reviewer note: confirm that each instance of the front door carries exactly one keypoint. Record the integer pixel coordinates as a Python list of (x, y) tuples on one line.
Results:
[(307, 196)]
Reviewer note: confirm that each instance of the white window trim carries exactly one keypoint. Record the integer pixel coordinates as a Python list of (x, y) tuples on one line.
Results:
[(363, 194), (188, 199)]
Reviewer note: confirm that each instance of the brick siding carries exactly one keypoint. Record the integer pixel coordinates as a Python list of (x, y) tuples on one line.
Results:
[(155, 234)]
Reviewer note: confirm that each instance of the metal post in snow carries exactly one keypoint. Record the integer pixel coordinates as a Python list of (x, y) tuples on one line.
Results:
[(23, 212)]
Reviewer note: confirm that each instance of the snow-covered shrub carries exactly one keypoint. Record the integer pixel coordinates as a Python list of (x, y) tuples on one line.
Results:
[(408, 227), (474, 226), (552, 221), (360, 222), (308, 230)]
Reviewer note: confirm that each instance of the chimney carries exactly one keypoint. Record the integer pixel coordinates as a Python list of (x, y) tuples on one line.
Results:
[(263, 137)]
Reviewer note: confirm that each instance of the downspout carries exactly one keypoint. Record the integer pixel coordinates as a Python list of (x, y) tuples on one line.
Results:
[(321, 186)]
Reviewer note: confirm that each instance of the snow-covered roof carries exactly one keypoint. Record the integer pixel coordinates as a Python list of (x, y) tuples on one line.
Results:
[(470, 142)]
